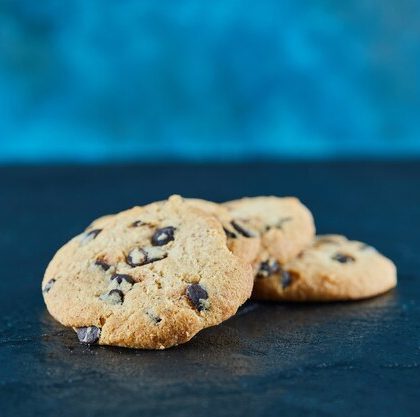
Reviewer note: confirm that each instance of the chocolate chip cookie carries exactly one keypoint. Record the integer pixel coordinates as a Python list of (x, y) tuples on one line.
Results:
[(332, 269), (149, 277), (283, 224)]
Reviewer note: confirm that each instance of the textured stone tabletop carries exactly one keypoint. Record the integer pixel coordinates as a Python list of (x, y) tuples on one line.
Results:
[(359, 359)]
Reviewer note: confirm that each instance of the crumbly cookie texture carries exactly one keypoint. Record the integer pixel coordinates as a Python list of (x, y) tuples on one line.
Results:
[(149, 277), (283, 224), (239, 241), (332, 269)]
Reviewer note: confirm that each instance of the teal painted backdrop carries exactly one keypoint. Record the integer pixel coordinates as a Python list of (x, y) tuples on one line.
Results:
[(91, 80)]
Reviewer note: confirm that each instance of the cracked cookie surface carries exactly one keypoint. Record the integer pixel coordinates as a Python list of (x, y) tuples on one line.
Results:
[(332, 269), (148, 277)]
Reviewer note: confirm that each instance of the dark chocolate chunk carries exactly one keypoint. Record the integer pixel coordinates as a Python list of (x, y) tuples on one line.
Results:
[(285, 278), (93, 233), (196, 294), (136, 257), (342, 258), (240, 229), (117, 294), (229, 234), (137, 223), (154, 317), (48, 285), (88, 335), (163, 236), (102, 263), (268, 268), (143, 256), (123, 277), (113, 297), (90, 235)]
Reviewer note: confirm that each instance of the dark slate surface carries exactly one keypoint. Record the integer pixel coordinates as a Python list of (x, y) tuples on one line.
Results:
[(360, 359)]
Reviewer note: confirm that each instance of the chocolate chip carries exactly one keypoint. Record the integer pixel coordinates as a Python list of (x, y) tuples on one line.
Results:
[(88, 236), (104, 265), (123, 277), (163, 236), (113, 297), (93, 233), (155, 254), (143, 256), (285, 278), (197, 296), (88, 335), (48, 285), (268, 268), (137, 223), (342, 258), (229, 234), (136, 257), (154, 317), (240, 229)]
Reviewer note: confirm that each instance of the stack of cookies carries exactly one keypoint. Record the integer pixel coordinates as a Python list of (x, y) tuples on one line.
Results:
[(152, 277)]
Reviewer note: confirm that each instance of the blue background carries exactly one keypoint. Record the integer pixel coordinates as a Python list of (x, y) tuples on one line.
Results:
[(218, 80)]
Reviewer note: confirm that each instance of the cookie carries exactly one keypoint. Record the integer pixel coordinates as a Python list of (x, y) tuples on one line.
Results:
[(241, 243), (332, 269), (149, 277), (283, 224)]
